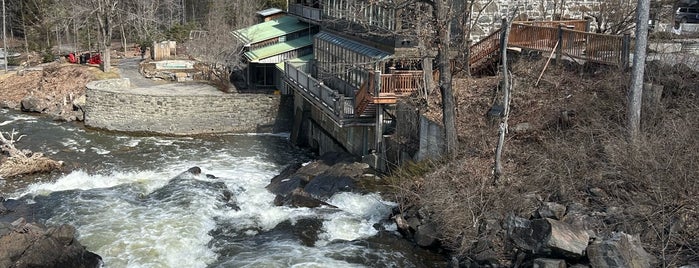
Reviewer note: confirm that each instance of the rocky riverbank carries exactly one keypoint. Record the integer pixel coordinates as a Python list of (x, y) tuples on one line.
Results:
[(26, 243), (54, 89)]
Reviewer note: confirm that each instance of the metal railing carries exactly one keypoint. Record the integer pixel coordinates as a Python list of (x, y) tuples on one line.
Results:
[(305, 12), (333, 102)]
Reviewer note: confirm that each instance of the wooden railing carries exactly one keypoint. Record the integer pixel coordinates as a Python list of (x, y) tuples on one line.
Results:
[(533, 37), (483, 50), (578, 25), (364, 96), (600, 48), (571, 36), (400, 82)]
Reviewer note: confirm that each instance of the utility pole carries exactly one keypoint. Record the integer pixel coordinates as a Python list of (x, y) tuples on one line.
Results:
[(4, 37), (639, 65)]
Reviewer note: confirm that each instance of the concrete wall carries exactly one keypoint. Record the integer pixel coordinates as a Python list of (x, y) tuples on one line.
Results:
[(183, 109), (321, 134), (432, 144)]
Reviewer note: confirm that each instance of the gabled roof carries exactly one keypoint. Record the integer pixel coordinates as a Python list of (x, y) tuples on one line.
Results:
[(279, 48), (267, 30), (354, 46)]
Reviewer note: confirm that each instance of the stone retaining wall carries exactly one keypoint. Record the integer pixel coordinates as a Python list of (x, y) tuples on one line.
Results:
[(183, 109)]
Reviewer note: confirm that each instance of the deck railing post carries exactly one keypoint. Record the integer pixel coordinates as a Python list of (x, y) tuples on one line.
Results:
[(559, 49), (625, 51), (377, 83), (587, 25)]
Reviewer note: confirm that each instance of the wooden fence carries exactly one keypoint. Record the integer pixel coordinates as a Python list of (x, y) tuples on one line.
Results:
[(593, 47)]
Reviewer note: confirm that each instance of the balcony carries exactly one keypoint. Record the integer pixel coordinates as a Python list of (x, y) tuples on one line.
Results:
[(360, 108)]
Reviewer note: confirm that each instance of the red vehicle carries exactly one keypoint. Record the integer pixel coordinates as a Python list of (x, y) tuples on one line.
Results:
[(85, 58)]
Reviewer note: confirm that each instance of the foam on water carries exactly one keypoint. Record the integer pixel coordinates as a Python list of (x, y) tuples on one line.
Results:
[(128, 228), (130, 211), (80, 180), (356, 220), (17, 118)]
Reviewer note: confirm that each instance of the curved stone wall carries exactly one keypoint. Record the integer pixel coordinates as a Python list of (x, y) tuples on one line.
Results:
[(183, 109)]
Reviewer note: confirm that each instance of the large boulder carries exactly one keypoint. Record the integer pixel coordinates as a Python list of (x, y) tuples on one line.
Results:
[(525, 235), (25, 244), (297, 185), (181, 187), (33, 105), (547, 236), (426, 235), (619, 250), (324, 186), (565, 238), (299, 198)]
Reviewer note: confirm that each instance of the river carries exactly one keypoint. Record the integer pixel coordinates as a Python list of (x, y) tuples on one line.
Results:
[(118, 192)]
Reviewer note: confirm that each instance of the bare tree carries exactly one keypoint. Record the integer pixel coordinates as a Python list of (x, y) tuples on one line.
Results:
[(219, 49), (442, 15), (104, 12), (614, 17)]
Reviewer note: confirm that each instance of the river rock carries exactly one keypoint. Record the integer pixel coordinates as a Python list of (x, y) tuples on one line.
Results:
[(32, 245), (324, 186), (566, 239), (426, 235), (483, 251), (548, 235), (320, 179), (525, 235), (7, 105), (180, 188), (287, 180), (551, 210), (299, 198), (307, 231), (33, 105), (549, 263), (619, 250)]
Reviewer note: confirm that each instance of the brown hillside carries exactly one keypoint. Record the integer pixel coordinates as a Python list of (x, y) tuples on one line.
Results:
[(567, 145)]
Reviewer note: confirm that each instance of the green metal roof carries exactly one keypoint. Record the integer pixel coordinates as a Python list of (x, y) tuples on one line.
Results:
[(267, 30), (296, 62), (279, 48)]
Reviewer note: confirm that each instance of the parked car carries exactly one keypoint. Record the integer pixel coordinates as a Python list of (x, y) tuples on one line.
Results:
[(687, 15)]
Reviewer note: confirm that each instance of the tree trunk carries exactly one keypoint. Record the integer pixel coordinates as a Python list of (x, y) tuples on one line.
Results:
[(123, 39), (498, 172), (639, 64), (441, 12), (105, 30)]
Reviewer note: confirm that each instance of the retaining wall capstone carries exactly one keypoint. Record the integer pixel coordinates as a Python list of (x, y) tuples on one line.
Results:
[(183, 109)]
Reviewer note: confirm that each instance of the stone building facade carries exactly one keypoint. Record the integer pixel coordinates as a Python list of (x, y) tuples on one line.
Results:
[(488, 13)]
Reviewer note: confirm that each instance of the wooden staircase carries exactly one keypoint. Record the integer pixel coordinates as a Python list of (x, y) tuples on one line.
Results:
[(484, 53), (364, 100)]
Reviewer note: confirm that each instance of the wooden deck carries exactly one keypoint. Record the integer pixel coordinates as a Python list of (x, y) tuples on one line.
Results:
[(565, 39)]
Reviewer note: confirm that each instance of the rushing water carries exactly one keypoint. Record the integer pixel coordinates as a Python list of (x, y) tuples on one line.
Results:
[(121, 196)]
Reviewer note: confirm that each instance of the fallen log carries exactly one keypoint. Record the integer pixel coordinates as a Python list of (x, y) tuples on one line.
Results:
[(20, 162)]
